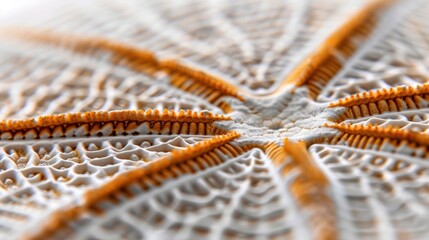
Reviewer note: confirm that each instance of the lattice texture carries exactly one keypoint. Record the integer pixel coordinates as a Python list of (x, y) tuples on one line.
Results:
[(395, 57), (245, 41), (110, 125), (374, 189), (61, 83), (240, 198), (37, 177)]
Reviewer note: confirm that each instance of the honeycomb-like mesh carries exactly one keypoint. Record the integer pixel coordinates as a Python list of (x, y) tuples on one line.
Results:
[(54, 82), (395, 57), (242, 198), (377, 185), (189, 119), (37, 177), (253, 44)]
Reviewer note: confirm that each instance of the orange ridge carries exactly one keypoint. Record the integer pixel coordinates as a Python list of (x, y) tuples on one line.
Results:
[(300, 156), (387, 132), (82, 44), (305, 70), (213, 81), (309, 188), (321, 208), (298, 152), (109, 116), (275, 152), (278, 157), (332, 65), (61, 218), (381, 94), (134, 57)]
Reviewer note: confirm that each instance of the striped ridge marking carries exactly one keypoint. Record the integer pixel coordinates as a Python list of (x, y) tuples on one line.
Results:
[(368, 136), (211, 87), (382, 94), (376, 102), (317, 69), (173, 66), (310, 188), (194, 158), (298, 152), (279, 157), (276, 153), (113, 122), (332, 65), (91, 45)]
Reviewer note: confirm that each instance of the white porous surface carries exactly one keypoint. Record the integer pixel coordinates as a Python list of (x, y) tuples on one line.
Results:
[(377, 184)]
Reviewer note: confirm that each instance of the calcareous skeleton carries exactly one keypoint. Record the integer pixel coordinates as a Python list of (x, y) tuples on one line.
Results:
[(247, 119)]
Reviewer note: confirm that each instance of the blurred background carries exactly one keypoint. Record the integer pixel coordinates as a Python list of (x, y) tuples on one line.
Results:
[(8, 7)]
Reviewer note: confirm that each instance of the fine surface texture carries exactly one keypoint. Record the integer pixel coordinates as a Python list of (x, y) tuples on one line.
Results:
[(218, 119)]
